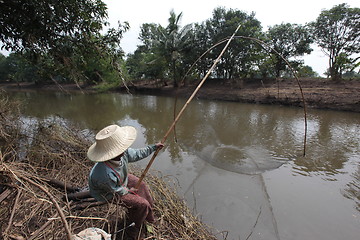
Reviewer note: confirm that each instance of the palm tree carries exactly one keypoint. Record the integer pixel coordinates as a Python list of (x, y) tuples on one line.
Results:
[(174, 42)]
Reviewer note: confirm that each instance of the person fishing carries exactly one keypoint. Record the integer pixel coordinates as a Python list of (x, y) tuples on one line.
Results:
[(109, 179)]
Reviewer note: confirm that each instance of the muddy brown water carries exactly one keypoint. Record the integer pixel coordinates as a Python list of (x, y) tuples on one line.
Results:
[(239, 166)]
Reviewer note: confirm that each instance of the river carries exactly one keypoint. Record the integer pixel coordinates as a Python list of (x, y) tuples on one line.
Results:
[(240, 167)]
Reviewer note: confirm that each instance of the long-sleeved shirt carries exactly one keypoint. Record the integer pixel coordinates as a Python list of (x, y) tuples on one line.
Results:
[(104, 182)]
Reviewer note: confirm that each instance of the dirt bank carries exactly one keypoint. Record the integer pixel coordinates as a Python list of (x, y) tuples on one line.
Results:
[(318, 93)]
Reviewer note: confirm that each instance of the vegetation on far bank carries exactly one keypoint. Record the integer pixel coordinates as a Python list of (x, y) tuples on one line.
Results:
[(47, 48)]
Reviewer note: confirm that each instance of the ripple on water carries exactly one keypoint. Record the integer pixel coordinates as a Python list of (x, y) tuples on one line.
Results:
[(249, 160)]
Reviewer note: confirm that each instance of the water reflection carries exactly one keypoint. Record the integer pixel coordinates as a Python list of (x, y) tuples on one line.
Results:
[(352, 189), (238, 139), (329, 144)]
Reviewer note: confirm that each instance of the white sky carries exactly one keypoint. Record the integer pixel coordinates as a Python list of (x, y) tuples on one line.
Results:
[(267, 12)]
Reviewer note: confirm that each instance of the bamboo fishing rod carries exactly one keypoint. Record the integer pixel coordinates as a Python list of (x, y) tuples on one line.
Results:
[(172, 126)]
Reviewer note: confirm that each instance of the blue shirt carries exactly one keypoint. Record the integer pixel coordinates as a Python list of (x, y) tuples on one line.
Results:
[(104, 182)]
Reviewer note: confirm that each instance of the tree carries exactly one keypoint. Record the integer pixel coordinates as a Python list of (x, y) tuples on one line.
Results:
[(146, 62), (143, 64), (337, 32), (239, 58), (39, 25), (289, 40), (167, 45), (173, 43), (203, 42), (306, 71), (62, 36), (3, 68), (16, 68)]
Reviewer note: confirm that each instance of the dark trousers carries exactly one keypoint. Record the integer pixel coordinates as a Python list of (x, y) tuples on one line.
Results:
[(139, 204)]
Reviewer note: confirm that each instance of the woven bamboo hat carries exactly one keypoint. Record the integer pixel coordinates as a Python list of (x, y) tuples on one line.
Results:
[(111, 142)]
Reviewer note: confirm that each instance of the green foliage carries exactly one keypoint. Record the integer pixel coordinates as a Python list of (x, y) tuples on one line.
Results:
[(351, 75), (264, 65), (306, 71), (3, 68), (239, 59), (337, 32), (289, 40), (203, 42), (178, 48), (62, 38), (40, 25), (16, 68), (164, 50), (146, 65), (173, 43)]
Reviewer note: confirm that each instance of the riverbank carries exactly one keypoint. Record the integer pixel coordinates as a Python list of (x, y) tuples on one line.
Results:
[(318, 93)]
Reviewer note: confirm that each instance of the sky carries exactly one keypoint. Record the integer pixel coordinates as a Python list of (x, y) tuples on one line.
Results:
[(268, 13)]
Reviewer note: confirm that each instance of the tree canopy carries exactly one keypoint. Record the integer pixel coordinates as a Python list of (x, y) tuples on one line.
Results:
[(67, 41), (40, 25), (179, 47), (289, 40), (163, 51), (61, 38), (337, 32), (239, 59)]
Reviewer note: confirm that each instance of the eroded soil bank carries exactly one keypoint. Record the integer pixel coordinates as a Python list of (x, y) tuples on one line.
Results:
[(318, 93)]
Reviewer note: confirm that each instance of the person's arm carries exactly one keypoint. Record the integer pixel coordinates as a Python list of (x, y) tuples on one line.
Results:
[(140, 153)]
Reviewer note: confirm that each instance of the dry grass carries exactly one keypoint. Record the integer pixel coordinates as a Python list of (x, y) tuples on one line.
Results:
[(31, 208)]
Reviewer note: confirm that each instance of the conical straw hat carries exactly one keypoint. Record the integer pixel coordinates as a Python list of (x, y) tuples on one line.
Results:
[(111, 142)]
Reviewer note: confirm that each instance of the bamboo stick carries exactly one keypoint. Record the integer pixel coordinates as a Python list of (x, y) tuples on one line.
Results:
[(53, 200), (5, 194), (13, 211), (184, 107), (35, 234)]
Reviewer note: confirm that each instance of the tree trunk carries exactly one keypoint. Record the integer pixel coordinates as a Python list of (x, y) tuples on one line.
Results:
[(174, 74)]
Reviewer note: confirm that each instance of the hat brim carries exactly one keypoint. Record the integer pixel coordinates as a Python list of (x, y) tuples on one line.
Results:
[(111, 145)]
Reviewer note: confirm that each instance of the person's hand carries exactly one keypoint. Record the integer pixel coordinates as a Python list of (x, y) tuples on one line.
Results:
[(159, 145)]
